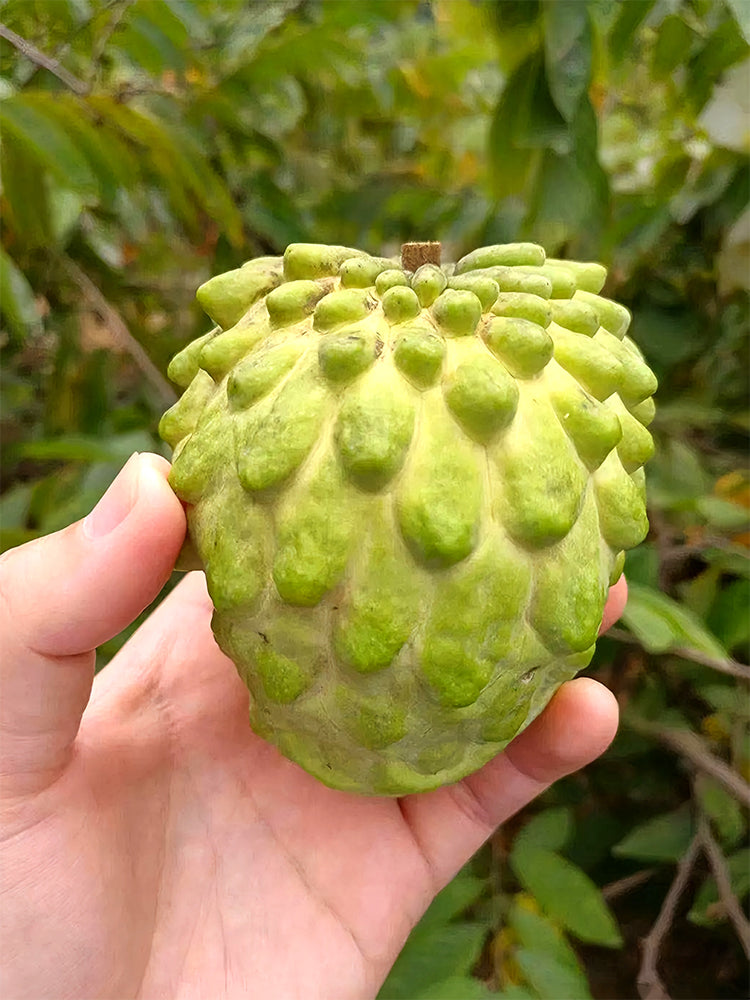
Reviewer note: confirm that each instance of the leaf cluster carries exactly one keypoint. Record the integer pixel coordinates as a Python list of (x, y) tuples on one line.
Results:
[(145, 146)]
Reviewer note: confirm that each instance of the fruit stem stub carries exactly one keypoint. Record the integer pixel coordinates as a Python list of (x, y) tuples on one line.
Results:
[(413, 255)]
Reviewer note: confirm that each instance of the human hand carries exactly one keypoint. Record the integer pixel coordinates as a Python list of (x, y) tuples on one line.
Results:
[(152, 845)]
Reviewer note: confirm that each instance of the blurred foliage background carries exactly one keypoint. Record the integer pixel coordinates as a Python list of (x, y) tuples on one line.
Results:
[(148, 144)]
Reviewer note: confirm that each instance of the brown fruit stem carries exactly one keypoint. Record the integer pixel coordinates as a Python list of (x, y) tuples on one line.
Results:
[(413, 255)]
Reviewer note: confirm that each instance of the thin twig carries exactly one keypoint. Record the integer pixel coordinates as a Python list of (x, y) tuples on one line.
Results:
[(34, 55), (690, 746), (122, 336), (728, 899), (731, 667), (650, 985), (625, 885), (102, 40), (64, 48), (728, 666), (680, 551), (663, 541)]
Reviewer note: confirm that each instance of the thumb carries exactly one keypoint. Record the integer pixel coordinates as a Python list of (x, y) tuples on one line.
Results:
[(63, 595)]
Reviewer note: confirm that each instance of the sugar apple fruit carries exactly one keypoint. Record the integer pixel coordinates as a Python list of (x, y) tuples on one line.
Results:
[(410, 487)]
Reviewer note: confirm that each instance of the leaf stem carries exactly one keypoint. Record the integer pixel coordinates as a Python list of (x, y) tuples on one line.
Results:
[(728, 666)]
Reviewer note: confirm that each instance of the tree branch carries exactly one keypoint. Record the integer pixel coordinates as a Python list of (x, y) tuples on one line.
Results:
[(119, 9), (728, 666), (613, 890), (731, 667), (650, 985), (728, 899), (34, 55), (690, 746), (123, 337), (63, 49)]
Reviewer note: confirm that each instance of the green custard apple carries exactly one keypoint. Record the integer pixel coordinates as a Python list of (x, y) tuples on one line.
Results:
[(410, 487)]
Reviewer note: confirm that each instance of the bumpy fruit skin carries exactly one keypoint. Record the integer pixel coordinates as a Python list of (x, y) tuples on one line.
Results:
[(410, 493)]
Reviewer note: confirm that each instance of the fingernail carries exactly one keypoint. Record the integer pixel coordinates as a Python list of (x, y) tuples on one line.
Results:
[(156, 462), (116, 503)]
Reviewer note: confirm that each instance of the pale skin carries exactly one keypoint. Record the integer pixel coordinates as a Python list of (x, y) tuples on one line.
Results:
[(151, 845)]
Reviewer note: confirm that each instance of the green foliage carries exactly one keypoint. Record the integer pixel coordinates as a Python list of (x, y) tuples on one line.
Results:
[(660, 624), (545, 959), (547, 831), (566, 894), (442, 950), (173, 140), (662, 838), (707, 909)]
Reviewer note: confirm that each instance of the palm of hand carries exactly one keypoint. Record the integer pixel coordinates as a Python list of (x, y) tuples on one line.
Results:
[(207, 842), (165, 851)]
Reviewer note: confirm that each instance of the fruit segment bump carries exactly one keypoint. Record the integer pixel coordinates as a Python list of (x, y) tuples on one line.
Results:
[(410, 484)]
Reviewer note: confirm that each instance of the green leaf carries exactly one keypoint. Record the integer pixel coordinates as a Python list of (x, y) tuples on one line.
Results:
[(430, 958), (161, 157), (721, 514), (11, 537), (673, 44), (732, 560), (153, 38), (730, 698), (723, 809), (548, 978), (77, 448), (728, 618), (604, 15), (671, 334), (180, 164), (514, 13), (14, 506), (525, 123), (26, 197), (663, 838), (679, 473), (724, 48), (550, 830), (661, 624), (707, 910), (537, 121), (642, 565), (111, 160), (455, 987), (595, 833), (566, 894), (439, 946), (451, 902), (631, 16), (654, 631), (205, 184), (550, 965), (741, 12), (572, 191), (65, 209), (23, 121), (567, 46), (16, 298)]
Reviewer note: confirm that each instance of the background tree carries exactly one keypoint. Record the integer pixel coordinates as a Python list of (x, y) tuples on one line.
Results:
[(146, 144)]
